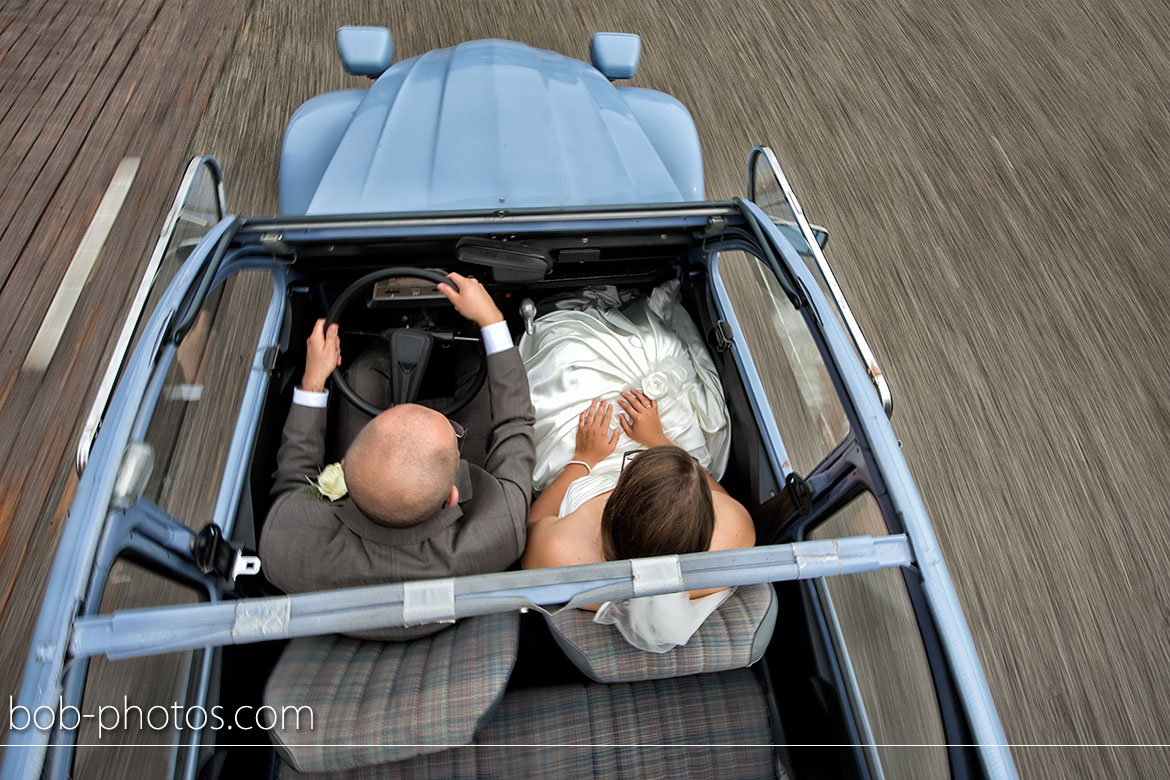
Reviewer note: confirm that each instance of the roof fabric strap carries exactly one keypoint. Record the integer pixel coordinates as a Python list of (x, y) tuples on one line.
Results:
[(261, 619), (653, 576), (830, 557), (428, 601)]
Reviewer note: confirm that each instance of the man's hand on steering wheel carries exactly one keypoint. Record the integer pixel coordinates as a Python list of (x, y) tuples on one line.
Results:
[(471, 300), (322, 356)]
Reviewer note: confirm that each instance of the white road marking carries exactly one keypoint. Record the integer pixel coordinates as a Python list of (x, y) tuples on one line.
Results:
[(53, 326)]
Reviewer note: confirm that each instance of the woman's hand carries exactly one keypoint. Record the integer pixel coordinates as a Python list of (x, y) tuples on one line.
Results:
[(594, 442), (641, 422), (593, 445)]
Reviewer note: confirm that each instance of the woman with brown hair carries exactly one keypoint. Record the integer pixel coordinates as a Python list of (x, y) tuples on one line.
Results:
[(663, 503)]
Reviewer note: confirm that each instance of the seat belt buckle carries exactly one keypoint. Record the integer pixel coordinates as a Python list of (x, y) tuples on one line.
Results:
[(213, 554)]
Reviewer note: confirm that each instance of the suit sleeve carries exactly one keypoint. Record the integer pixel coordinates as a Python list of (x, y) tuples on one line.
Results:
[(302, 448), (511, 451)]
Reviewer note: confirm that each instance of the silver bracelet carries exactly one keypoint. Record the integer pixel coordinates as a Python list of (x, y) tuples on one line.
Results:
[(579, 463)]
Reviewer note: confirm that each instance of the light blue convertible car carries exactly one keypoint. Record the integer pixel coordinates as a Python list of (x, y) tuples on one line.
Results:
[(843, 651)]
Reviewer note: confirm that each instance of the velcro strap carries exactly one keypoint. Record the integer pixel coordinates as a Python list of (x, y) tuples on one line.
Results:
[(656, 575), (428, 601), (258, 619)]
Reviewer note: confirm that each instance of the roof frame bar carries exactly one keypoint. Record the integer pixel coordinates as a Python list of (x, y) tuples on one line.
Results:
[(139, 632)]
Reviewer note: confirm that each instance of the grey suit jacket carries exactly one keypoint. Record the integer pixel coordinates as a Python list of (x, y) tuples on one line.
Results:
[(309, 543)]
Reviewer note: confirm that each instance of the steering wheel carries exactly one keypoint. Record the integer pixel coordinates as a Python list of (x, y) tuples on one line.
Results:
[(410, 348)]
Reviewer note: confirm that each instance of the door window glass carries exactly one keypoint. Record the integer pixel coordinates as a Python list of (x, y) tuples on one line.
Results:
[(888, 658), (765, 190), (193, 422), (120, 695), (796, 381)]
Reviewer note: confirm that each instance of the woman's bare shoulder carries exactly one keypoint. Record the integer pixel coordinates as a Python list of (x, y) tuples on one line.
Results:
[(563, 541), (733, 524)]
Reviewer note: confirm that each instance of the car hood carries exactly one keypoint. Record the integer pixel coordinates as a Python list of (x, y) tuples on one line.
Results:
[(491, 124)]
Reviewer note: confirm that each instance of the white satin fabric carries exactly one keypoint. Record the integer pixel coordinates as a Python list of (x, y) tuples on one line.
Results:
[(596, 345), (658, 624), (582, 489)]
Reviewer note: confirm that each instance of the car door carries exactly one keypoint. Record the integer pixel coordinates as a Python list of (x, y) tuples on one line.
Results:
[(194, 234), (880, 666), (908, 667)]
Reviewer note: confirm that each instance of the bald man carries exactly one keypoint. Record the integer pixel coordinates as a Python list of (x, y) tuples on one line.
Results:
[(414, 509)]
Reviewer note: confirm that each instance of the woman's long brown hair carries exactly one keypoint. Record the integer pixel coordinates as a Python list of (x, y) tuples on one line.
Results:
[(660, 506)]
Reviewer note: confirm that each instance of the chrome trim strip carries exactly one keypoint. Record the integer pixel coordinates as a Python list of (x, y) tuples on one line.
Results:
[(362, 221), (93, 420), (851, 326)]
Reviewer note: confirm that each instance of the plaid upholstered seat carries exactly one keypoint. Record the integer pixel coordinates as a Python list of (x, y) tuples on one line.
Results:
[(734, 636), (634, 725), (419, 695)]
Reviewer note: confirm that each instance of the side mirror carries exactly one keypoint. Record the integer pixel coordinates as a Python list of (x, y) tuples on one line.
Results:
[(133, 474), (365, 51), (615, 54)]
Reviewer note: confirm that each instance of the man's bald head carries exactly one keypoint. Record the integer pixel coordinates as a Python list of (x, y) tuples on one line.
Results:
[(400, 468)]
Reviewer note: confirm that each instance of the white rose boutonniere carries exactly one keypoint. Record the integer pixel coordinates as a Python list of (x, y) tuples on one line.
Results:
[(330, 483)]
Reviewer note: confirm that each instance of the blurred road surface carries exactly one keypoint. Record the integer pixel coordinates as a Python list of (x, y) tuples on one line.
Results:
[(994, 178)]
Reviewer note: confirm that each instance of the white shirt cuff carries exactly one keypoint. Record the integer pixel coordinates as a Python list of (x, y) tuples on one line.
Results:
[(496, 337), (310, 398)]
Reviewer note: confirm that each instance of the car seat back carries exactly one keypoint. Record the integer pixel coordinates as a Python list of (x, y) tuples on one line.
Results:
[(701, 726), (734, 636), (376, 702)]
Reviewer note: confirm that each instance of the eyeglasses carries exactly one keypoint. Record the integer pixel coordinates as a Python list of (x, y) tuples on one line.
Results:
[(629, 456), (460, 432)]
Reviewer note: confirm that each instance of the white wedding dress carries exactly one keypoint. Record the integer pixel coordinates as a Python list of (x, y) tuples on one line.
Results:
[(594, 346)]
